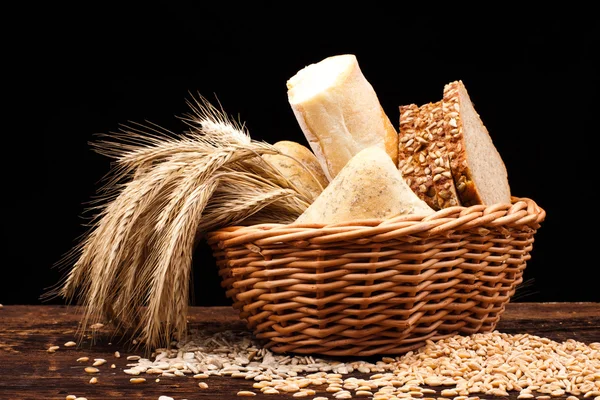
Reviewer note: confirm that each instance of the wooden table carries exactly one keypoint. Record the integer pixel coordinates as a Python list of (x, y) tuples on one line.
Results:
[(28, 371)]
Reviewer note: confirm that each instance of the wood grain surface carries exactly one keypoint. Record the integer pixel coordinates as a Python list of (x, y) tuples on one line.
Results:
[(28, 371)]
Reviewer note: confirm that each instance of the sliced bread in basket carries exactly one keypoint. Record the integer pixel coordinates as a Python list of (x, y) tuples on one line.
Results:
[(422, 155), (479, 173)]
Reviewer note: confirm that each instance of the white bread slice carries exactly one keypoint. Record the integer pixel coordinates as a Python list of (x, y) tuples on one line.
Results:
[(298, 164), (369, 186), (339, 112), (479, 173)]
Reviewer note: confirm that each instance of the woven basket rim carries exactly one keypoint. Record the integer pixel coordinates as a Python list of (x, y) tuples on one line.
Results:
[(522, 212)]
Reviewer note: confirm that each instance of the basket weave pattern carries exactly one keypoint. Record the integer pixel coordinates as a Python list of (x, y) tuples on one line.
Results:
[(377, 287)]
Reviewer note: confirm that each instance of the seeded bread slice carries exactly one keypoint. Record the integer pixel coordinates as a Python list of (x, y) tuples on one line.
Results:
[(421, 154), (479, 173), (412, 155), (439, 161)]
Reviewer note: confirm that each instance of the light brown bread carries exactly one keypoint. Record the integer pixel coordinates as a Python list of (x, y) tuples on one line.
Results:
[(299, 164), (479, 173), (369, 186), (339, 112)]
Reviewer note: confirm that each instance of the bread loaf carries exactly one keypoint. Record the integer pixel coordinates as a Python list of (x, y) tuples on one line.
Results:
[(339, 112), (479, 173), (369, 186), (299, 164)]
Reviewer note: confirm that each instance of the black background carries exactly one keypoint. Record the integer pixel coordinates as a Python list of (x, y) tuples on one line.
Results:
[(533, 77)]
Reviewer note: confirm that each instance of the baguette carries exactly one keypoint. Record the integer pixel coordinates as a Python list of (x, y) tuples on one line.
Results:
[(478, 171), (339, 112), (369, 186), (298, 164)]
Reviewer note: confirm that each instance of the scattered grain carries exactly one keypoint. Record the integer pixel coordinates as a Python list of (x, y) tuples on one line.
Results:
[(245, 393), (492, 364), (83, 359), (203, 385), (131, 371), (137, 380), (98, 362), (117, 354), (70, 343), (94, 380), (91, 370), (52, 349), (70, 397), (363, 393)]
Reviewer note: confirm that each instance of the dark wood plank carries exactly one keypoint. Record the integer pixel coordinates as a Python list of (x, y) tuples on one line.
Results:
[(28, 371)]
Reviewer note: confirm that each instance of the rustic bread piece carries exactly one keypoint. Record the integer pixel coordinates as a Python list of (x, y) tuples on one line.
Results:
[(299, 164), (369, 186), (339, 112), (479, 173)]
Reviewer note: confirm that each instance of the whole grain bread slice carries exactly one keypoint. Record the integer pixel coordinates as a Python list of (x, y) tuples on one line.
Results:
[(412, 156), (437, 155), (479, 173), (422, 157)]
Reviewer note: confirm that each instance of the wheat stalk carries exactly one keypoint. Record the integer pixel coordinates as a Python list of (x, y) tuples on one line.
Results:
[(163, 193)]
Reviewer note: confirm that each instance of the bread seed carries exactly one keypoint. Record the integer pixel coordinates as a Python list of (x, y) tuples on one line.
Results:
[(245, 393), (70, 344), (137, 380)]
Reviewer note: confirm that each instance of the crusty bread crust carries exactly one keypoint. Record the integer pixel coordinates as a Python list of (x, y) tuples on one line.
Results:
[(454, 105), (339, 112)]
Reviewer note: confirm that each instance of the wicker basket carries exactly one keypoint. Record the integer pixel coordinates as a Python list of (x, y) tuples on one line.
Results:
[(376, 287)]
